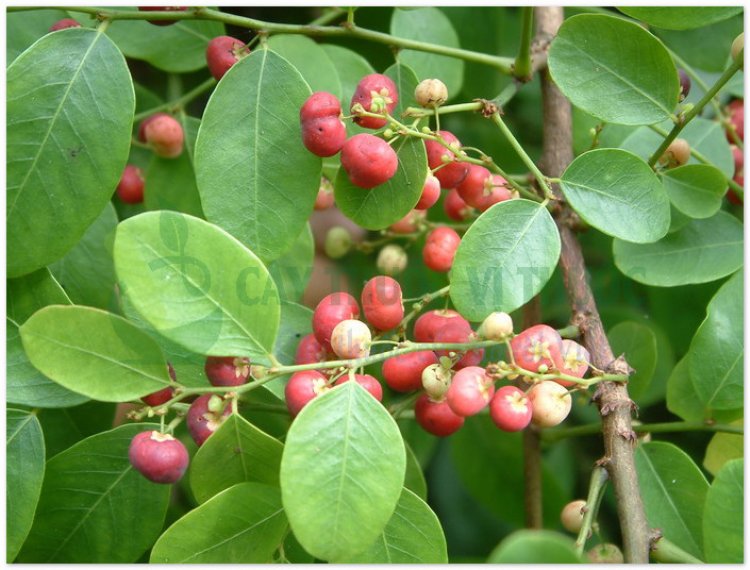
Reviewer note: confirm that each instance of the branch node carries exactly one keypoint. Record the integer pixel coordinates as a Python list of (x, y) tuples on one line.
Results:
[(628, 435), (603, 461), (488, 108), (654, 536), (620, 366)]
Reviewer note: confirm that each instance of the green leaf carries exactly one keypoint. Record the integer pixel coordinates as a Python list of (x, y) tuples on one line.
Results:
[(722, 448), (695, 189), (69, 129), (535, 547), (406, 81), (237, 452), (27, 27), (638, 343), (704, 250), (618, 194), (24, 383), (379, 207), (683, 401), (94, 353), (255, 177), (412, 536), (177, 48), (504, 259), (723, 522), (717, 351), (206, 535), (414, 479), (310, 59), (350, 68), (64, 427), (87, 272), (614, 70), (680, 18), (291, 272), (706, 48), (296, 322), (342, 471), (94, 506), (673, 491), (429, 25), (197, 285), (24, 456)]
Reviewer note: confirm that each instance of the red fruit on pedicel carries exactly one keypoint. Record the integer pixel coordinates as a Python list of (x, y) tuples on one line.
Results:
[(382, 302), (331, 310), (436, 417), (510, 409), (163, 133), (373, 86), (403, 373), (455, 207), (324, 199), (303, 387), (457, 332), (440, 249), (227, 370), (409, 223), (201, 421), (430, 193), (736, 110), (64, 24), (323, 132), (159, 457), (453, 172), (482, 189), (310, 351), (162, 9), (130, 187), (368, 160), (430, 322), (222, 53), (536, 346), (368, 382), (163, 395), (575, 360), (470, 391)]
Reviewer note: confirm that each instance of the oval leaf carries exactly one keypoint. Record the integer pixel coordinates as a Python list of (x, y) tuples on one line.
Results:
[(535, 547), (414, 478), (350, 67), (406, 81), (28, 27), (342, 471), (505, 258), (24, 456), (673, 491), (255, 177), (683, 401), (638, 343), (310, 59), (291, 272), (95, 353), (69, 129), (296, 322), (206, 535), (723, 448), (618, 194), (723, 520), (702, 251), (197, 285), (695, 189), (680, 18), (94, 506), (614, 70)]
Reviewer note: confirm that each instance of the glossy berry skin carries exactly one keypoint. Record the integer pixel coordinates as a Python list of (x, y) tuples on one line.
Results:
[(455, 207), (403, 373), (430, 193), (302, 388), (331, 310), (158, 457), (64, 24), (227, 370), (369, 383), (323, 132), (550, 403), (452, 173), (470, 391), (496, 326), (382, 302), (430, 322), (436, 417), (536, 346), (374, 85), (201, 421), (163, 133), (409, 223), (163, 395), (736, 110), (309, 351), (457, 332), (571, 516), (510, 409), (575, 360), (368, 160), (324, 199), (130, 187), (436, 381), (222, 53), (162, 9), (481, 189), (440, 249), (351, 339)]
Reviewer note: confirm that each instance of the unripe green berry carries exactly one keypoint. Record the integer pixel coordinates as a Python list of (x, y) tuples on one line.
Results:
[(738, 45), (606, 553), (215, 404), (436, 379), (392, 260), (388, 133), (426, 130), (431, 93), (497, 326), (338, 242)]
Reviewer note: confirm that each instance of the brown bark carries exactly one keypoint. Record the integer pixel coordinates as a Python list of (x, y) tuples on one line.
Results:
[(532, 448)]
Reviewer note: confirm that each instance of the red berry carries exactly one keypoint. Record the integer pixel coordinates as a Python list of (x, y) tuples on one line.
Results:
[(309, 351), (64, 24), (201, 421), (739, 159), (323, 132), (470, 391), (163, 395), (550, 403), (130, 187), (440, 249), (162, 9), (481, 189), (227, 370), (453, 172), (455, 207), (331, 310), (324, 199), (159, 457), (163, 133), (373, 86), (351, 339), (382, 302), (575, 360), (368, 382), (368, 160), (403, 373), (458, 332), (303, 387), (318, 105), (430, 193), (409, 223), (736, 110), (222, 53), (536, 346), (436, 417), (510, 409), (430, 322)]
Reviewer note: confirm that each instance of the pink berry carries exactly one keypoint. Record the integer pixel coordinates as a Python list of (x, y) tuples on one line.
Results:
[(536, 346), (481, 189), (440, 249), (575, 359), (162, 9), (470, 391), (382, 302), (430, 193), (403, 373), (736, 110), (227, 370), (351, 339), (510, 409), (320, 104), (201, 421), (64, 24), (324, 199), (409, 223), (159, 457), (430, 322), (303, 387), (368, 160), (130, 187), (436, 417), (323, 132), (222, 53), (373, 86), (457, 332), (368, 382), (163, 133), (455, 207), (550, 403), (453, 172), (164, 395), (310, 351), (331, 310)]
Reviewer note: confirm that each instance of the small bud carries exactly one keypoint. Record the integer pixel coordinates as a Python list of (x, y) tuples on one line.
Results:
[(338, 242), (684, 84), (677, 154), (426, 130), (431, 93), (392, 260), (257, 371), (543, 369), (388, 133), (738, 46), (215, 404), (436, 380)]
